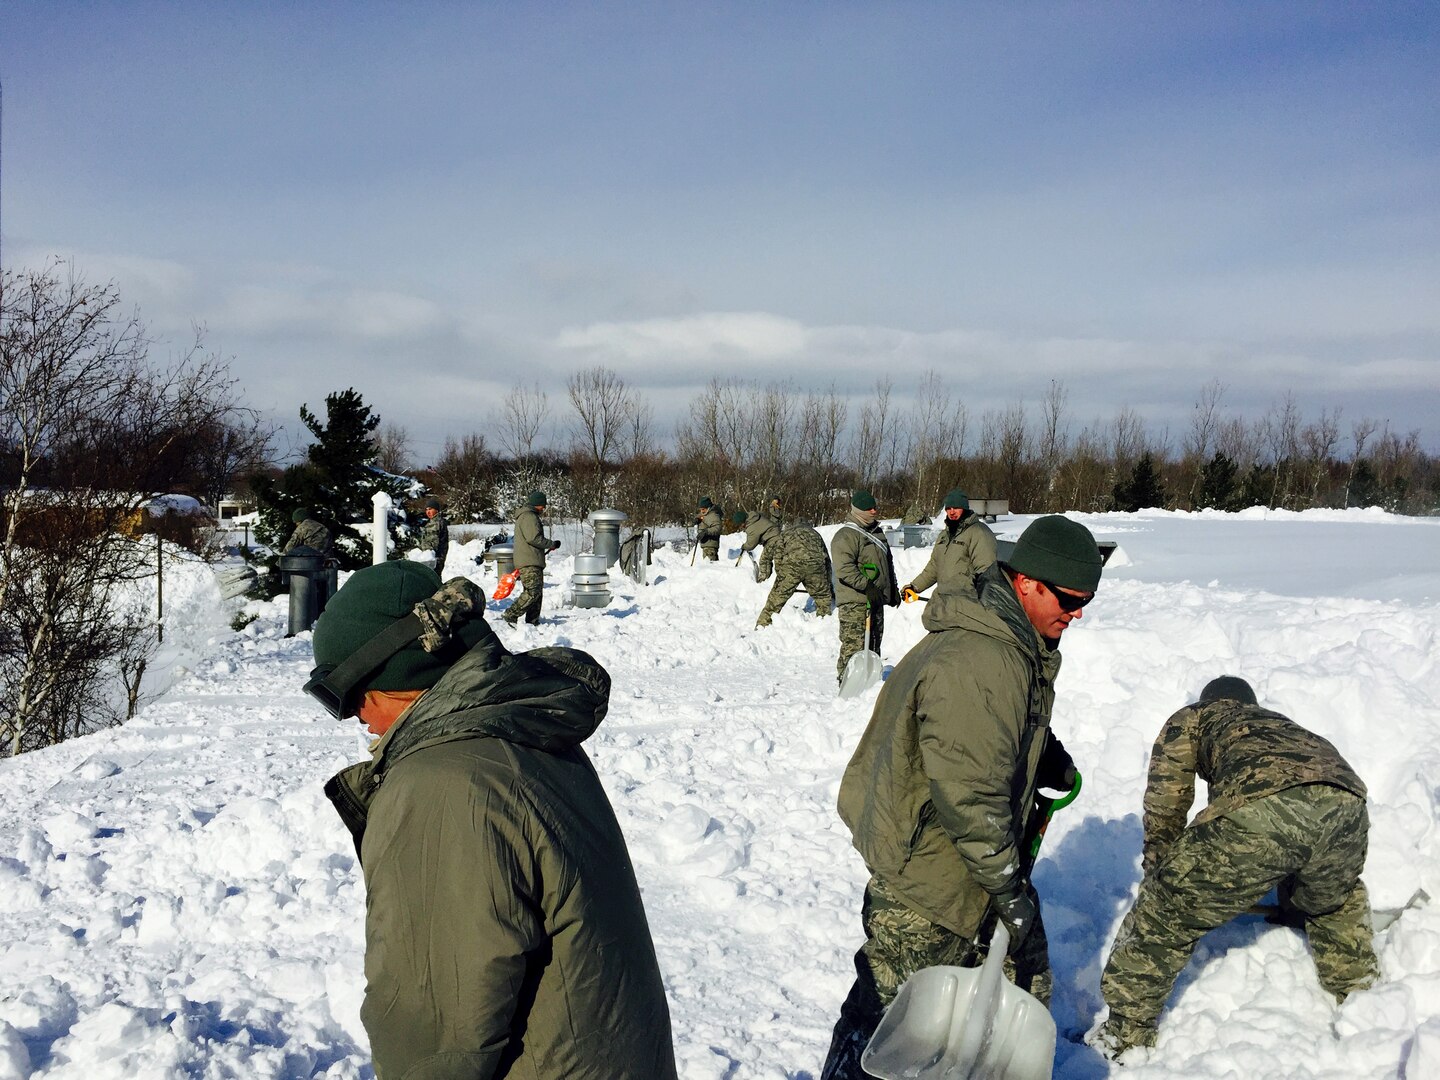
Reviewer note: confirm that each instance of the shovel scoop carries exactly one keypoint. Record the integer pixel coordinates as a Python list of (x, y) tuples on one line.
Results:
[(953, 1023)]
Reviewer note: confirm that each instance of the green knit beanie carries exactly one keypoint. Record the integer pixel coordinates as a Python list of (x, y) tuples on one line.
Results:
[(369, 602), (737, 518), (537, 498), (956, 499), (704, 503), (1058, 551), (862, 500), (1228, 688), (300, 514)]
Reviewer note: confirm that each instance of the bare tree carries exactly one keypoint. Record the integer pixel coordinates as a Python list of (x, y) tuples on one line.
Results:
[(773, 436), (465, 477), (392, 448), (874, 434), (1280, 431), (1360, 432), (822, 421), (521, 419), (85, 416), (1317, 443), (936, 435), (603, 406), (1204, 429), (1051, 444)]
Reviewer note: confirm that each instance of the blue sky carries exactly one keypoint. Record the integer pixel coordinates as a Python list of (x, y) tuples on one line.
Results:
[(433, 201)]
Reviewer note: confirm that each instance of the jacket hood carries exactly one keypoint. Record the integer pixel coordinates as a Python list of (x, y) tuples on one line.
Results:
[(997, 613), (550, 698), (956, 609)]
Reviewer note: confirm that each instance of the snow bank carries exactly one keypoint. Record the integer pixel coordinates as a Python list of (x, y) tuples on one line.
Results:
[(180, 901)]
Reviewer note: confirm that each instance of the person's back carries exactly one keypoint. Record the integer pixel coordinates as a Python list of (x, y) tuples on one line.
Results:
[(308, 532), (505, 933), (538, 884)]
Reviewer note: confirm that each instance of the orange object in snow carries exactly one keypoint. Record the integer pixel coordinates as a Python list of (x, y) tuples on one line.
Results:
[(506, 586)]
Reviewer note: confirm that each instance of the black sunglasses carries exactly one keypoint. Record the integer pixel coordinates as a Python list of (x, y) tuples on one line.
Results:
[(1068, 601)]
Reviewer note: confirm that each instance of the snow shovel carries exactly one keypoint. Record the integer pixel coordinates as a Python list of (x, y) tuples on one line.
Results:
[(863, 670), (954, 1023)]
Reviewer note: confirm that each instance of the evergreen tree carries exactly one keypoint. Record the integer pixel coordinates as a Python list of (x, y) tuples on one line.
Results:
[(1220, 487), (336, 482), (1143, 488)]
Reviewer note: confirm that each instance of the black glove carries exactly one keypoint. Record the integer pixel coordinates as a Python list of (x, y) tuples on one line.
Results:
[(554, 545), (1056, 770), (874, 594), (1015, 907)]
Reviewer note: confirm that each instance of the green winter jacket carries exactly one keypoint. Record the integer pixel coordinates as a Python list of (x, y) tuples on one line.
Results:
[(710, 526), (531, 543), (938, 791), (759, 531), (504, 932), (852, 549), (961, 554), (1243, 753)]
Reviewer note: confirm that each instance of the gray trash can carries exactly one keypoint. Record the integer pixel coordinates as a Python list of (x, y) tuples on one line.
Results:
[(307, 579)]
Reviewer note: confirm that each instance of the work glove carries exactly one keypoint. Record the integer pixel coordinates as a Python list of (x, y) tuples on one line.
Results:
[(875, 595), (909, 595), (1015, 907), (1056, 770), (554, 545)]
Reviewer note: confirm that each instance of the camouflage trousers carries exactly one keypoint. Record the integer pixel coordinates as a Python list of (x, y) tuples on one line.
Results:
[(710, 549), (899, 942), (814, 576), (532, 579), (852, 632), (1309, 841)]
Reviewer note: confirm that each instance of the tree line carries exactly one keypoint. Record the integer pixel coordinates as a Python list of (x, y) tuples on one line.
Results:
[(93, 424), (742, 442)]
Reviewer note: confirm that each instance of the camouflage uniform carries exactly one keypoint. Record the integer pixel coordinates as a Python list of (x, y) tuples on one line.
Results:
[(1285, 810), (309, 533), (861, 556), (708, 533), (435, 536), (799, 557)]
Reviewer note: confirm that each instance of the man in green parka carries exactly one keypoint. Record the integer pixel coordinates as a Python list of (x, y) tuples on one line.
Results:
[(864, 578), (1285, 809), (708, 528), (964, 551), (939, 792), (531, 547), (504, 931)]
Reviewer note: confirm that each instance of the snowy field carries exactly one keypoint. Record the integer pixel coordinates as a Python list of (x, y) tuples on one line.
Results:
[(177, 899)]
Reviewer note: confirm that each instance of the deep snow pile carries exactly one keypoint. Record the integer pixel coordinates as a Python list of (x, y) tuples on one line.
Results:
[(179, 900)]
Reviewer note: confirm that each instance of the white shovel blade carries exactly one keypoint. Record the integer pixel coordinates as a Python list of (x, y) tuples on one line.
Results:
[(861, 672), (952, 1023)]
